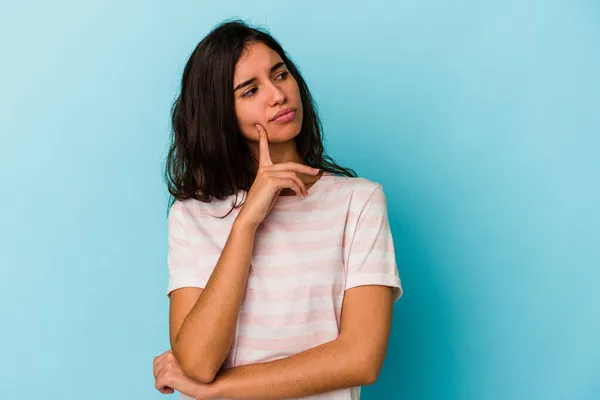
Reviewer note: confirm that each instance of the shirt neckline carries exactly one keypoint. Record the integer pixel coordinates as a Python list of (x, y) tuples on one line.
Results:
[(311, 191)]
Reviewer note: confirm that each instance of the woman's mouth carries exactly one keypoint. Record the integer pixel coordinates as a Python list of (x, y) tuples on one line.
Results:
[(287, 117)]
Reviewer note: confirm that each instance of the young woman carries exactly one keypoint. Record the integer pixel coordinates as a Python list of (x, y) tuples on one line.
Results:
[(282, 274)]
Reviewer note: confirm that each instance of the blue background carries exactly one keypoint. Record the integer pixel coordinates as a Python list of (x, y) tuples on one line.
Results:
[(481, 121)]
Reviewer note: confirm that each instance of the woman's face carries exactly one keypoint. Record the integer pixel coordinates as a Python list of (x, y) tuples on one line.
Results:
[(273, 89)]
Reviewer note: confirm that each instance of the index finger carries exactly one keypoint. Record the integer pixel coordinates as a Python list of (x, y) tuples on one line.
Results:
[(264, 157)]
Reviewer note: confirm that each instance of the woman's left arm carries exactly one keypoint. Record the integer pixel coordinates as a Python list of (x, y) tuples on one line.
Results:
[(353, 359)]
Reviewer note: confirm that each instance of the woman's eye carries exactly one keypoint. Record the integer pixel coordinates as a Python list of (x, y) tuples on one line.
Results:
[(249, 93)]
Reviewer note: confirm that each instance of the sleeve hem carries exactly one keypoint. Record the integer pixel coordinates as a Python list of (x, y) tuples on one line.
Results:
[(376, 279), (185, 280)]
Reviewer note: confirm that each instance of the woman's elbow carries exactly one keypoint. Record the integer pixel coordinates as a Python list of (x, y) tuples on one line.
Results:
[(370, 376), (371, 367), (199, 371)]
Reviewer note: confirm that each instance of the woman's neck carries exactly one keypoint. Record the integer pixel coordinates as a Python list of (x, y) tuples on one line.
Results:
[(282, 153), (279, 152)]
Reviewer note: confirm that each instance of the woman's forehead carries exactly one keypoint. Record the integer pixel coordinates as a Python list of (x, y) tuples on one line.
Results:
[(257, 58)]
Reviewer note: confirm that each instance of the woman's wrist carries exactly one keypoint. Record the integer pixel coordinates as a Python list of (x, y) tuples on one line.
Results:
[(209, 391), (241, 224)]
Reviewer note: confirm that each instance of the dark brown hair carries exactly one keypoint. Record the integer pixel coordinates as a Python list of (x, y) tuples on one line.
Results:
[(208, 157)]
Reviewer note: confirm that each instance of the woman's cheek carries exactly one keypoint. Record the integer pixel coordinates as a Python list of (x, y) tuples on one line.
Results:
[(244, 119)]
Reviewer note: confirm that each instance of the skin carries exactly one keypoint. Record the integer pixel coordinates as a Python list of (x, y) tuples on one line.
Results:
[(354, 358), (259, 101), (213, 310)]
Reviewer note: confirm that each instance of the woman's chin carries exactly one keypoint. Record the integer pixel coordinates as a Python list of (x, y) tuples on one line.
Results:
[(283, 132)]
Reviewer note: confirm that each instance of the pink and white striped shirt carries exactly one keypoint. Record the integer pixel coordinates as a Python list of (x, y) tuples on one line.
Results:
[(307, 252)]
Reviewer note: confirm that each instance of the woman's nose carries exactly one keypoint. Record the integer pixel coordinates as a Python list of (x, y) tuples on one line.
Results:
[(277, 94)]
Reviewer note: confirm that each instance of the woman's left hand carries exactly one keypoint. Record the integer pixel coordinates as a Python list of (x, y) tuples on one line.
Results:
[(168, 377)]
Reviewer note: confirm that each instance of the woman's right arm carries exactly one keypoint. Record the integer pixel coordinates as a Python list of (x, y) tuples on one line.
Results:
[(203, 322), (201, 337)]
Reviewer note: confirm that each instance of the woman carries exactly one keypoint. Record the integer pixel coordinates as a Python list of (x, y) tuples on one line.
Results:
[(282, 273)]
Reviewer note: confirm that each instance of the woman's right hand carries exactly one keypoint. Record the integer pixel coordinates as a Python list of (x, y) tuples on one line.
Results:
[(270, 180)]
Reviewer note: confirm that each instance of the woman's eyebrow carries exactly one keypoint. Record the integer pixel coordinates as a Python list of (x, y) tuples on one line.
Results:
[(249, 81)]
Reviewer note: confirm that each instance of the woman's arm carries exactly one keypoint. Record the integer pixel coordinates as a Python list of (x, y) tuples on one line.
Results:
[(353, 359), (327, 367), (206, 334)]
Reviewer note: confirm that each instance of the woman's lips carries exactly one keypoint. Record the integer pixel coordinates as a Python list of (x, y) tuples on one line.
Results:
[(287, 117)]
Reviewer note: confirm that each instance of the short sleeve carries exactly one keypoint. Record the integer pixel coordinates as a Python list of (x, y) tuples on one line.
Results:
[(371, 257), (182, 259)]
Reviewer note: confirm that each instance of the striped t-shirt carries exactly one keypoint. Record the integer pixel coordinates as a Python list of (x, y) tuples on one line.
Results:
[(307, 252)]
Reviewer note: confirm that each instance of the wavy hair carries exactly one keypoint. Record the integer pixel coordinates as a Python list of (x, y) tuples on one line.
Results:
[(208, 157)]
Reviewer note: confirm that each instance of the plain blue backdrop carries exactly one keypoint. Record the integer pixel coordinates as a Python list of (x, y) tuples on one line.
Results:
[(480, 120)]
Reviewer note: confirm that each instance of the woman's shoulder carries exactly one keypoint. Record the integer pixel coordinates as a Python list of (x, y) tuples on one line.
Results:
[(358, 183), (195, 208), (357, 191)]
